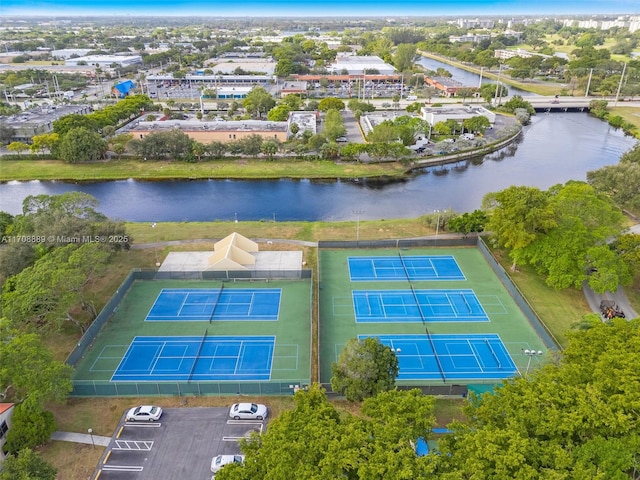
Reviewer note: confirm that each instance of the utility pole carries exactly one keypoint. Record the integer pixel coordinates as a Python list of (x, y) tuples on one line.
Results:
[(586, 93), (624, 68), (495, 100)]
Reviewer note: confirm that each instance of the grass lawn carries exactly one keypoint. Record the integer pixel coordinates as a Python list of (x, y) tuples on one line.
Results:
[(159, 170), (630, 114)]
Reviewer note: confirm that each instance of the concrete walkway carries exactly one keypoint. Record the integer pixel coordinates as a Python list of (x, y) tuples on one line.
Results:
[(81, 438)]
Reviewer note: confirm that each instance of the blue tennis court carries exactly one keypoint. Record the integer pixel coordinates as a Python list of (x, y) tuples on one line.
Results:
[(401, 267), (373, 306), (197, 358), (211, 304), (450, 357)]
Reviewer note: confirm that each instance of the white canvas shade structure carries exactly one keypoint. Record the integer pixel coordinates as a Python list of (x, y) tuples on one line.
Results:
[(232, 253)]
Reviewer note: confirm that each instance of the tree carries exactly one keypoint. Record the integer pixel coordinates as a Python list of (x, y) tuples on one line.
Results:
[(31, 428), (258, 102), (314, 440), (18, 147), (518, 216), (333, 125), (65, 124), (488, 91), (42, 296), (330, 151), (466, 92), (27, 465), (6, 134), (81, 145), (468, 222), (269, 148), (279, 113), (574, 418), (404, 56), (476, 124), (583, 221), (330, 103), (28, 372), (44, 142), (364, 368), (619, 181), (518, 102)]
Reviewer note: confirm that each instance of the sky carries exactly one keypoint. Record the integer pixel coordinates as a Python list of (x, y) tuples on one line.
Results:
[(324, 8)]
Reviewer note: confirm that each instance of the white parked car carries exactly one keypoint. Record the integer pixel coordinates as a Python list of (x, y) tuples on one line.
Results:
[(248, 411), (144, 413), (221, 460)]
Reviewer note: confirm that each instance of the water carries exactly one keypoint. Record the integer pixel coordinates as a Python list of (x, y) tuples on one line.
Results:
[(468, 79), (555, 148)]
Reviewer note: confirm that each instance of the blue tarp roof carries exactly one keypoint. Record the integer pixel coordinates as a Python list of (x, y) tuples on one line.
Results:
[(422, 448), (125, 87)]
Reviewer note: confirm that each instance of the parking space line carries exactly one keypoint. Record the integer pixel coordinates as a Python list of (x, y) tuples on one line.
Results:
[(244, 422), (142, 425), (123, 468)]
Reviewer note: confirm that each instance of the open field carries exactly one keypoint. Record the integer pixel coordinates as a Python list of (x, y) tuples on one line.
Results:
[(162, 170)]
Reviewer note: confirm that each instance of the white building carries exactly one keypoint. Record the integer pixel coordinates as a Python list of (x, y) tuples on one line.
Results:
[(434, 115), (358, 65), (69, 52), (6, 411), (106, 61)]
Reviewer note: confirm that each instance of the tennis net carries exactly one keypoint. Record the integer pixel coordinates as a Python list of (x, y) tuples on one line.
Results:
[(215, 305), (404, 267), (424, 321), (195, 359), (493, 353)]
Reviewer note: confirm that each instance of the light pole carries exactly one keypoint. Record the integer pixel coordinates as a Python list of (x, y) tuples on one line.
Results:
[(91, 435), (531, 354), (235, 216), (437, 225), (357, 214)]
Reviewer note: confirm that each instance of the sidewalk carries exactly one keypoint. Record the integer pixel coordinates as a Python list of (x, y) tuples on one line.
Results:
[(81, 438)]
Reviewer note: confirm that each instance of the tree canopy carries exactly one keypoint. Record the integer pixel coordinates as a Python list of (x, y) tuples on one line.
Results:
[(364, 368), (315, 441), (562, 232), (574, 418)]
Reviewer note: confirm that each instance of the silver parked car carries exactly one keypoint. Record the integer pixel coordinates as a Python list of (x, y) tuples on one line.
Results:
[(221, 460), (248, 411), (144, 413)]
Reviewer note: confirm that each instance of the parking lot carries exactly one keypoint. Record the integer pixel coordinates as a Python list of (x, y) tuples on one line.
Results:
[(179, 446)]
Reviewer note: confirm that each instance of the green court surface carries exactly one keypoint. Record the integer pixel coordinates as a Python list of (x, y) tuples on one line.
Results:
[(292, 329), (338, 322)]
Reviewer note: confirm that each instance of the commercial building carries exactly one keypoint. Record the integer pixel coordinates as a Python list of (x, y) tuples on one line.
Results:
[(106, 61), (459, 113), (39, 120), (447, 86), (359, 65), (212, 131)]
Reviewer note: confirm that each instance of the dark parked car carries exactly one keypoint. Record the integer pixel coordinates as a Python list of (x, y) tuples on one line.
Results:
[(610, 309)]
